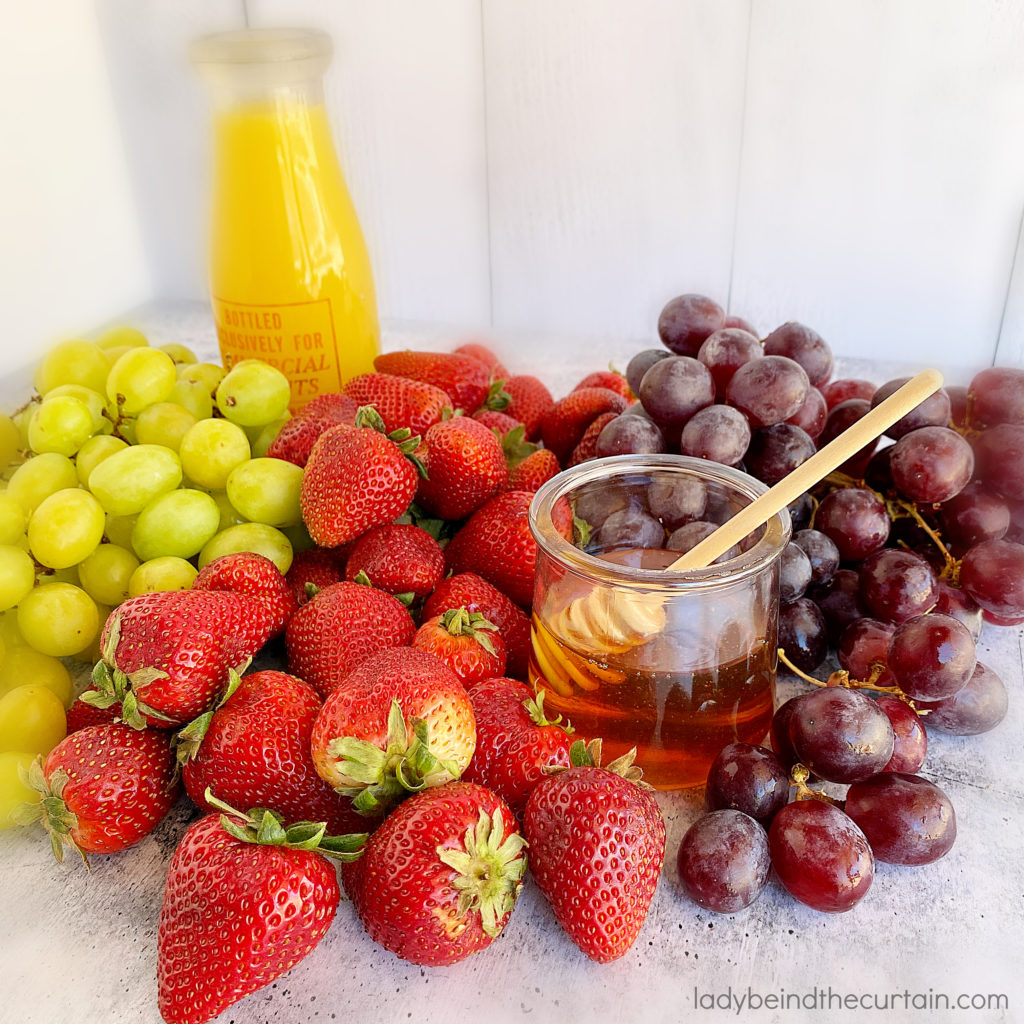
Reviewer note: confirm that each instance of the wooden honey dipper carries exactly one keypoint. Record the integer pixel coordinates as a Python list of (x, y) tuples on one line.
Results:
[(625, 619)]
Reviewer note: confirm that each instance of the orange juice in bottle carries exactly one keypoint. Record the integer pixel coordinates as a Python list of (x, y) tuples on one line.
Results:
[(290, 276)]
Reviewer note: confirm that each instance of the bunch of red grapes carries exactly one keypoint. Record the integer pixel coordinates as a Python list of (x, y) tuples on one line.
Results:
[(895, 561)]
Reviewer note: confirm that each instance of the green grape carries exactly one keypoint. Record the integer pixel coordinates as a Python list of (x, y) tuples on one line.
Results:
[(210, 450), (69, 574), (95, 402), (72, 362), (91, 652), (207, 374), (194, 396), (60, 425), (10, 441), (165, 573), (181, 354), (93, 452), (14, 793), (115, 352), (39, 477), (13, 520), (22, 664), (58, 619), (298, 536), (258, 537), (267, 491), (9, 632), (139, 378), (177, 523), (266, 435), (118, 530), (17, 575), (65, 528), (127, 481), (229, 515), (32, 720), (253, 393), (122, 337), (164, 423), (104, 574)]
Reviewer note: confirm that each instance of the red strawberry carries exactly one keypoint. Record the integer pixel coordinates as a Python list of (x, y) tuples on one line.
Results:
[(566, 421), (340, 628), (529, 402), (610, 379), (104, 787), (245, 900), (319, 566), (597, 844), (534, 471), (465, 467), (399, 558), (586, 449), (255, 576), (500, 422), (166, 656), (515, 742), (296, 438), (401, 721), (82, 714), (402, 403), (496, 543), (466, 642), (477, 595), (356, 478), (465, 379), (438, 880), (486, 356), (253, 751)]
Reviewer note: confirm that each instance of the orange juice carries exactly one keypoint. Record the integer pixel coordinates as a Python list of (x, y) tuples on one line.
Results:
[(290, 276)]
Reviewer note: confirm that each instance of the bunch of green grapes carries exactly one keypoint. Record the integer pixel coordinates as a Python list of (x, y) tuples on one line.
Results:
[(131, 469)]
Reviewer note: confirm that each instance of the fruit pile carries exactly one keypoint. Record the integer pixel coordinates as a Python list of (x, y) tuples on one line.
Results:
[(376, 545)]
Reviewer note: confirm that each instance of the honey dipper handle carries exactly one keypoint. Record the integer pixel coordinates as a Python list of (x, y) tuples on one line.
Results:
[(814, 470)]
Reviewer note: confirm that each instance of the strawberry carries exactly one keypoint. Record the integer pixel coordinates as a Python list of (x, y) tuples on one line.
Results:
[(587, 448), (515, 742), (255, 576), (466, 642), (496, 543), (500, 422), (356, 478), (477, 595), (400, 721), (597, 843), (610, 379), (398, 557), (566, 421), (486, 356), (82, 714), (166, 656), (253, 751), (104, 787), (465, 467), (438, 880), (319, 566), (529, 402), (245, 900), (342, 626), (296, 438), (464, 378), (536, 469), (402, 403)]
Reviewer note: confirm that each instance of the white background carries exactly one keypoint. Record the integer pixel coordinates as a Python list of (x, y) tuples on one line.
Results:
[(556, 166)]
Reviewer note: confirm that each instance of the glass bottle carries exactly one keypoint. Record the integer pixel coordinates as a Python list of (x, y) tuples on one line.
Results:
[(676, 664), (290, 277)]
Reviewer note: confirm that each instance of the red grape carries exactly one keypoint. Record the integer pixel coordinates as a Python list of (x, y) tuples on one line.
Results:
[(999, 452), (629, 435), (878, 472), (629, 528), (794, 573), (932, 412), (896, 585), (803, 634), (997, 396), (839, 601), (640, 364), (723, 861), (673, 389), (778, 731), (840, 418), (804, 346), (743, 325), (993, 574), (812, 415), (776, 451), (911, 741), (687, 320), (820, 855), (725, 351), (907, 819), (677, 500), (932, 656), (956, 602), (931, 464), (821, 551), (972, 516), (768, 390), (980, 706), (863, 644), (689, 535), (855, 520), (845, 388), (957, 405), (749, 779), (718, 433)]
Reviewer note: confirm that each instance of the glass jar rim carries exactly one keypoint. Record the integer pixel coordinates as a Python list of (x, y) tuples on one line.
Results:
[(755, 559), (254, 46)]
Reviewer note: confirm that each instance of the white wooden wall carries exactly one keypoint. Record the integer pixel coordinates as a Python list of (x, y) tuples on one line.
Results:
[(566, 166)]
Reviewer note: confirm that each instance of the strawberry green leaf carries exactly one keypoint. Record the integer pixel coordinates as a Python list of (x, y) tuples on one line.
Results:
[(515, 446), (497, 397), (367, 416)]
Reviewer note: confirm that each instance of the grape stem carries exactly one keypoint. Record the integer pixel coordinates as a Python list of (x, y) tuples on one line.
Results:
[(898, 507), (798, 776), (842, 678)]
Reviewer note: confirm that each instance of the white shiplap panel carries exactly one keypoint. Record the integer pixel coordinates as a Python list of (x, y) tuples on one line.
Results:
[(405, 94), (163, 113), (883, 173), (613, 146), (1010, 349)]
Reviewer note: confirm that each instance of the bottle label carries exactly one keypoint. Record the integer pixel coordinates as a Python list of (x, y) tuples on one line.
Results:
[(296, 337)]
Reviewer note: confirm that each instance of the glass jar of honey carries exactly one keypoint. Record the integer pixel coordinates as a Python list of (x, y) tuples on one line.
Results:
[(676, 664)]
